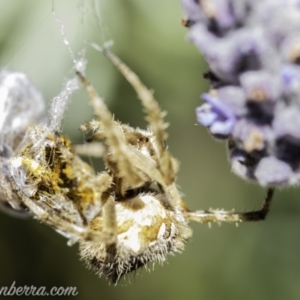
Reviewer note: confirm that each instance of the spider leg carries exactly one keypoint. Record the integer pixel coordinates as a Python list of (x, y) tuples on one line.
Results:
[(114, 137), (73, 231), (142, 162), (163, 168), (94, 149), (154, 114), (52, 219), (109, 221), (155, 117), (220, 216)]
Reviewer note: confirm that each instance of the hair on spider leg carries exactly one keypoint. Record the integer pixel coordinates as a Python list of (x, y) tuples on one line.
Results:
[(219, 215)]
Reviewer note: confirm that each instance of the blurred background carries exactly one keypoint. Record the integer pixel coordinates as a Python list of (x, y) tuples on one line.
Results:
[(253, 261)]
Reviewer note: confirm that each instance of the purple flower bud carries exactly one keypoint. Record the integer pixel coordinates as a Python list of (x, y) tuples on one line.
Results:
[(215, 115)]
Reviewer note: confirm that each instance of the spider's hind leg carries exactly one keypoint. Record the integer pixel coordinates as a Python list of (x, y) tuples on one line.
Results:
[(221, 216)]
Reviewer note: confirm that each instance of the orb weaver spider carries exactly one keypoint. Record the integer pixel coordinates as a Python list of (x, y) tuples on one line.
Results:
[(128, 215)]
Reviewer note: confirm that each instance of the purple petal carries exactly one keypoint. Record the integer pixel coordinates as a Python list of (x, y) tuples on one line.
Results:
[(234, 98), (222, 128), (205, 115), (272, 172), (287, 121), (262, 81), (290, 76), (216, 115), (218, 106)]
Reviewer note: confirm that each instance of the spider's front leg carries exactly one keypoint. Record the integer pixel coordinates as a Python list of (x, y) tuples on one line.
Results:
[(155, 117), (120, 154), (159, 165)]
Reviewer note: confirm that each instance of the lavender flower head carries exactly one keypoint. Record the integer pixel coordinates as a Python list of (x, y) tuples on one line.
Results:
[(253, 52)]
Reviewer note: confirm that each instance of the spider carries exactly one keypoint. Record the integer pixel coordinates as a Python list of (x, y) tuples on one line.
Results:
[(128, 215)]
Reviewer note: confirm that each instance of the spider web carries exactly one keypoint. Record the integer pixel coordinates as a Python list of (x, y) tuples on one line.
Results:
[(50, 39), (90, 12), (75, 49)]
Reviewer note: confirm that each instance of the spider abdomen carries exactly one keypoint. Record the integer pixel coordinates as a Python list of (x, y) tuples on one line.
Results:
[(148, 229)]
